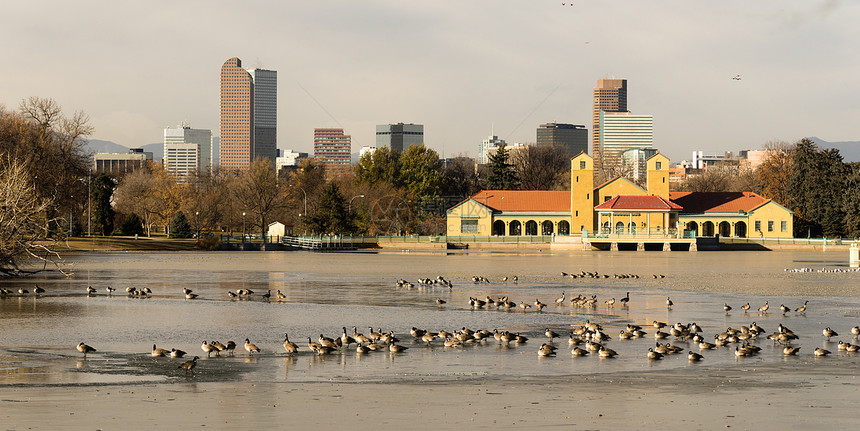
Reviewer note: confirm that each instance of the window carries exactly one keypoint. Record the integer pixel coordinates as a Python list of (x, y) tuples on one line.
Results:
[(606, 198), (783, 226), (577, 178), (582, 164), (770, 225), (659, 165), (469, 226), (758, 225), (577, 214)]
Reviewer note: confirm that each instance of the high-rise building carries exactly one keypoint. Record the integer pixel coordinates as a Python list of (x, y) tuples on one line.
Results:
[(265, 113), (187, 150), (399, 137), (610, 95), (621, 131), (333, 149), (248, 127), (489, 146), (573, 138)]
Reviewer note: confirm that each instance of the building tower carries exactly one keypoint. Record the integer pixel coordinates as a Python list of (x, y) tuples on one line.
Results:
[(622, 131), (610, 95), (581, 189), (187, 150), (265, 113), (333, 149), (398, 137), (573, 138), (237, 116)]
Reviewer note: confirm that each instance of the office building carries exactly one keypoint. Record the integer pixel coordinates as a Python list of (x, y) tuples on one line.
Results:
[(488, 146), (573, 138), (333, 149), (365, 150), (248, 126), (121, 163), (633, 163), (187, 150), (621, 131), (399, 137), (610, 95), (289, 160)]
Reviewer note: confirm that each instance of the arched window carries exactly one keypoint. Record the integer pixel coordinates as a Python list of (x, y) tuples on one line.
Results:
[(515, 228), (499, 228), (619, 227), (632, 227), (546, 227), (563, 228), (693, 227), (708, 228), (741, 229), (725, 229), (531, 227)]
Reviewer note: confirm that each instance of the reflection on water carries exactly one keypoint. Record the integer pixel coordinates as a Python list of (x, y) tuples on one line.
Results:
[(325, 292)]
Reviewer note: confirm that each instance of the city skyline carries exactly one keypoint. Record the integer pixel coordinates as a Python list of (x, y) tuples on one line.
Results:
[(679, 58)]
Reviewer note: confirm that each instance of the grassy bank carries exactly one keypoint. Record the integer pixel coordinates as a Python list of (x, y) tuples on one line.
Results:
[(124, 243)]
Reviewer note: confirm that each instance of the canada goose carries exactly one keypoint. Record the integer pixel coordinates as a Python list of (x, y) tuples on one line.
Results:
[(550, 334), (545, 350), (159, 353), (189, 365), (524, 306), (802, 308), (855, 331), (842, 345), (607, 353), (147, 291), (669, 302), (251, 348), (23, 291), (280, 295), (374, 335), (267, 295), (130, 290), (313, 346), (38, 290), (625, 299), (693, 356), (190, 295), (396, 348), (578, 352), (230, 346), (609, 302), (821, 352), (428, 337), (361, 349), (289, 346), (539, 305), (186, 290), (560, 299), (219, 346), (654, 355), (83, 348), (346, 340), (746, 306), (763, 308), (852, 348), (659, 325), (110, 290), (176, 353), (326, 341), (727, 307), (440, 302), (790, 351), (91, 290), (451, 342), (208, 348), (323, 350), (784, 309), (231, 294), (827, 332), (659, 335)]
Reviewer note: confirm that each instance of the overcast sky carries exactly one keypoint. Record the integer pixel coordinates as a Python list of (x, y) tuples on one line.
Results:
[(460, 67)]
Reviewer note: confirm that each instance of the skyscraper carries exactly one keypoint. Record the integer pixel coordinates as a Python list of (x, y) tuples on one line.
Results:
[(187, 150), (248, 127), (610, 95), (333, 149), (622, 131), (572, 137), (489, 146), (399, 137)]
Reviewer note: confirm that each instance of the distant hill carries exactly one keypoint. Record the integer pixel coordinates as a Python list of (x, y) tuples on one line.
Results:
[(100, 146), (849, 150)]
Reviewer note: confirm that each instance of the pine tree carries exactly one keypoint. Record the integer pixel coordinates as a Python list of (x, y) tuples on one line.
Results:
[(331, 216), (103, 213), (502, 175), (179, 227), (132, 225)]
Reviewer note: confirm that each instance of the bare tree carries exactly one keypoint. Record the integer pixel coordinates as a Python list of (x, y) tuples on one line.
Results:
[(23, 230), (258, 193), (539, 167)]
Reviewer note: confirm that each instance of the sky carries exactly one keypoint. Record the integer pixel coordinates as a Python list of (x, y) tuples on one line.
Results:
[(462, 68)]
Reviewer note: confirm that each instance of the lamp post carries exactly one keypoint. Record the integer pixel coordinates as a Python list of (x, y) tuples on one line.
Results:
[(197, 223), (305, 194), (350, 202), (243, 227)]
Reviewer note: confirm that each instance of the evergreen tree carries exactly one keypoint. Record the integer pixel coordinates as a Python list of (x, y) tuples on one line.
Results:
[(179, 226), (331, 215), (851, 201), (103, 213), (132, 225), (815, 191), (502, 175)]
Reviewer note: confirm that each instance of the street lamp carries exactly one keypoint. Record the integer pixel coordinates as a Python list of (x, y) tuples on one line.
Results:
[(243, 227), (306, 196), (197, 223), (350, 202), (89, 203)]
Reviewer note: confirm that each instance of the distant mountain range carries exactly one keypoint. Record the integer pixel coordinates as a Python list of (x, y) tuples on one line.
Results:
[(849, 150), (100, 146)]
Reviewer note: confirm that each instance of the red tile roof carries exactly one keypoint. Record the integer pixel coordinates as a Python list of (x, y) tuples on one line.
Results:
[(718, 202), (524, 200), (625, 202)]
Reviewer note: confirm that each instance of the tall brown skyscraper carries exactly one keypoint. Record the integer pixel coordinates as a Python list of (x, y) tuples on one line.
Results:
[(333, 149), (248, 115), (610, 95)]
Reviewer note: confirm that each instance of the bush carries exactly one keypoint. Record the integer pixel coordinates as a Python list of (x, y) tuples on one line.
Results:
[(132, 225), (209, 243)]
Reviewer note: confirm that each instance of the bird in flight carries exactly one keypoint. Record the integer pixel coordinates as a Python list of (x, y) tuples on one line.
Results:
[(737, 78)]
